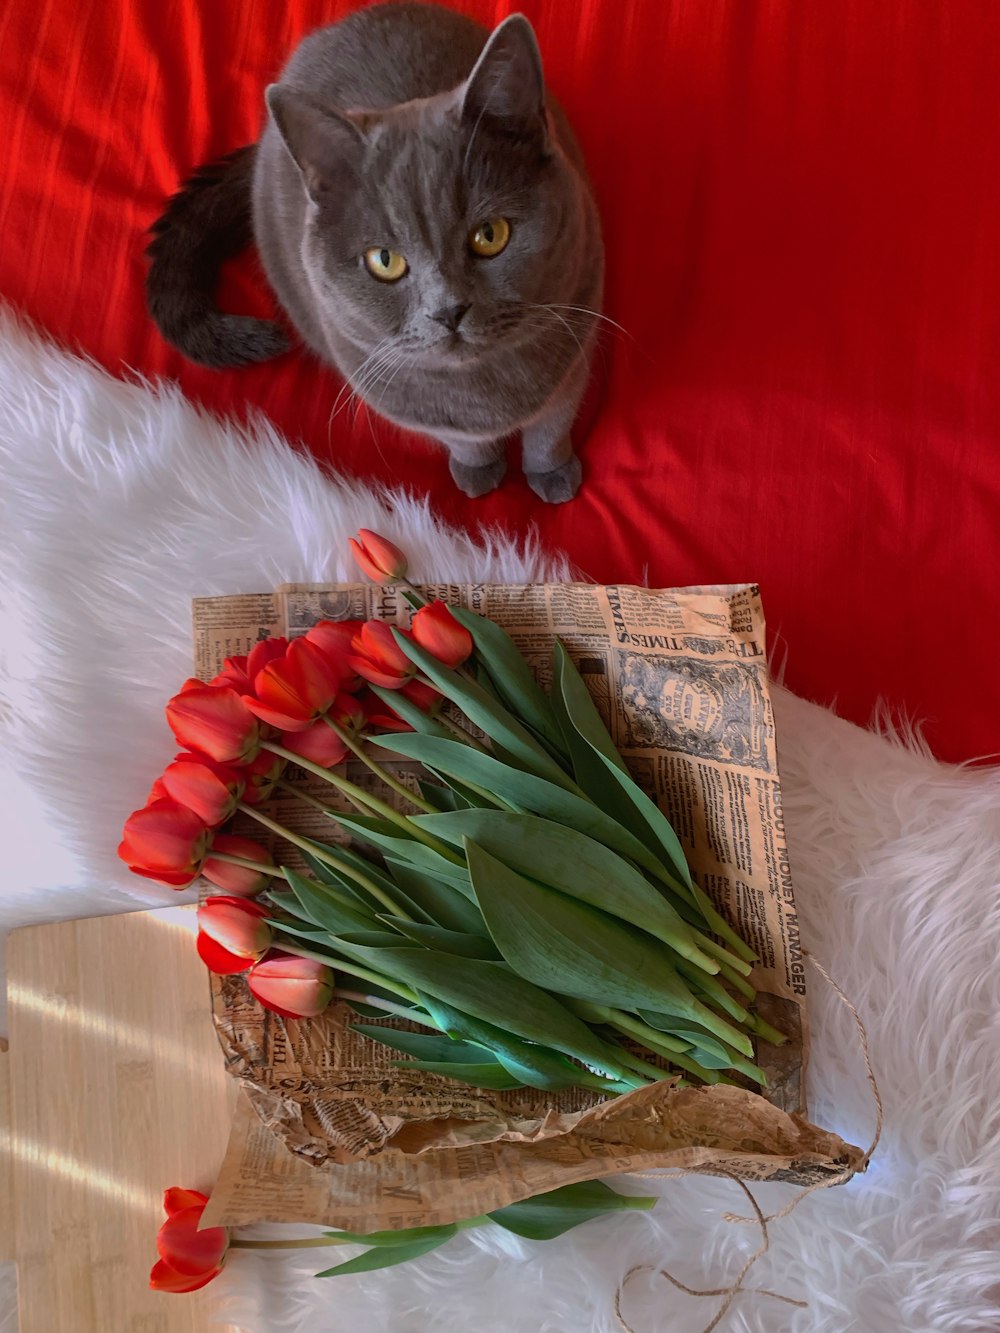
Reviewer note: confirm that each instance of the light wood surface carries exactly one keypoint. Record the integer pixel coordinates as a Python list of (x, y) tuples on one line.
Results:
[(6, 1161), (117, 1090)]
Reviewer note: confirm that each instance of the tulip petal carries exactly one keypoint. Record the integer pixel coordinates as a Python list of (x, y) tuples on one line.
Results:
[(176, 1200), (318, 743), (187, 1250), (274, 718), (220, 960), (164, 1278)]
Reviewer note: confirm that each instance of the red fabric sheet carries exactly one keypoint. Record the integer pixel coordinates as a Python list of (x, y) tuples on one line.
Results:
[(802, 208)]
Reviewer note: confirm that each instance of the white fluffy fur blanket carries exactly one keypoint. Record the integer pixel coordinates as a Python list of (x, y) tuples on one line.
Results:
[(119, 503)]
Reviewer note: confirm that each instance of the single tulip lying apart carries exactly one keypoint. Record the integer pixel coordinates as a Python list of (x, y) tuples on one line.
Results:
[(190, 1259)]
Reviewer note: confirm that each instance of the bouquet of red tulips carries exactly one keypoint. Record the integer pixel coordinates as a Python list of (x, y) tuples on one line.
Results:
[(526, 908)]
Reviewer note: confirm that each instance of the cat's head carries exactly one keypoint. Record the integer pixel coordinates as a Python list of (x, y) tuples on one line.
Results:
[(438, 227)]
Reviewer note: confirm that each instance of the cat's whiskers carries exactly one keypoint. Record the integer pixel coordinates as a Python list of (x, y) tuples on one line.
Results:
[(594, 314), (367, 374), (351, 383)]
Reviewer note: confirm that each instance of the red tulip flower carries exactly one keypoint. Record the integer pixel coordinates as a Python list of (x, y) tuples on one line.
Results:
[(291, 986), (334, 638), (319, 744), (189, 1258), (232, 933), (378, 658), (260, 775), (234, 674), (211, 790), (383, 717), (377, 557), (238, 880), (291, 691), (437, 630), (165, 841), (264, 652), (212, 720)]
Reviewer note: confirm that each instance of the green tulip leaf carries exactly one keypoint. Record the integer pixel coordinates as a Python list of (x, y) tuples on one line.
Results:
[(424, 1045), (486, 713), (416, 717), (387, 837), (490, 1075), (325, 911), (579, 708), (387, 1256), (572, 948), (534, 1065), (576, 865), (691, 1032), (511, 676), (524, 790), (340, 879), (442, 798), (404, 1236), (549, 1215), (492, 992), (439, 900), (448, 941)]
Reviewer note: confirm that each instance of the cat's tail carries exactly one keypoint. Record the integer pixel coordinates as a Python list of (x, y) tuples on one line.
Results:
[(207, 222)]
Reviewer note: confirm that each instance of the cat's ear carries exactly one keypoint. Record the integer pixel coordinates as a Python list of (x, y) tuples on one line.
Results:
[(325, 145), (507, 83)]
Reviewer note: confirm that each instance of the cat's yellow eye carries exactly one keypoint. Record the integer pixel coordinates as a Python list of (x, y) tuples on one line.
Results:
[(385, 264), (490, 237)]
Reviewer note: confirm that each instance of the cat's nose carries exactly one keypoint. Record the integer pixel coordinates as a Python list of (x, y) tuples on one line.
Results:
[(450, 316)]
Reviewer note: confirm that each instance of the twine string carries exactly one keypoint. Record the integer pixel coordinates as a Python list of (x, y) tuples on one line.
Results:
[(737, 1288)]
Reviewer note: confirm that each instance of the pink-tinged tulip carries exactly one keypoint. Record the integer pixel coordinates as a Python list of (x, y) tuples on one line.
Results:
[(293, 690), (237, 924), (378, 658), (213, 721), (334, 638), (319, 744), (189, 1258), (165, 841), (260, 775), (291, 986), (220, 960), (211, 790), (238, 880), (437, 630), (377, 557)]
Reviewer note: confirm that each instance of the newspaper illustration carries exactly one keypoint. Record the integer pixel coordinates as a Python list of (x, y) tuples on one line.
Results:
[(680, 678)]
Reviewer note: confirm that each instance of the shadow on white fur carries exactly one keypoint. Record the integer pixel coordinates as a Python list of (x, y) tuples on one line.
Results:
[(119, 504)]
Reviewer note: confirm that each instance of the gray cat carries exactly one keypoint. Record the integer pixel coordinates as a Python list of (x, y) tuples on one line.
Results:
[(423, 215)]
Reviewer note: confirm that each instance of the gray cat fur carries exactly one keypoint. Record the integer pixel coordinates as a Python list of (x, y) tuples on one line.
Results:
[(406, 126)]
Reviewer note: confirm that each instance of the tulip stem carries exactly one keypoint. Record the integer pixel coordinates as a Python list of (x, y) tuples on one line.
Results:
[(416, 597), (291, 944), (246, 863), (400, 788), (321, 854), (307, 1243), (375, 1001), (460, 732), (374, 803)]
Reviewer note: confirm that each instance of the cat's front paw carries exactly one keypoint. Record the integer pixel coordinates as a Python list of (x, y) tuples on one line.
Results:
[(559, 485), (476, 481)]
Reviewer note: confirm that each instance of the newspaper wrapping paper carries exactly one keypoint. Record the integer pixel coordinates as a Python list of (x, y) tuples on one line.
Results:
[(328, 1130)]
